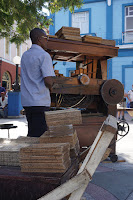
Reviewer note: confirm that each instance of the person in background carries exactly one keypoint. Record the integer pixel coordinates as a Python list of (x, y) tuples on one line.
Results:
[(4, 85), (130, 97), (36, 82), (3, 105), (122, 104), (2, 89)]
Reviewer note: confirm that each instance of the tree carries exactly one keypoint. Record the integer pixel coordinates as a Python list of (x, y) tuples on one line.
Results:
[(18, 17)]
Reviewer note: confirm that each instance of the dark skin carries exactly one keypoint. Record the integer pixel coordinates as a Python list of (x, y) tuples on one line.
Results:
[(3, 97), (42, 42)]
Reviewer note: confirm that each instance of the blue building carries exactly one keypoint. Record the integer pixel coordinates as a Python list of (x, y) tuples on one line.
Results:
[(109, 19)]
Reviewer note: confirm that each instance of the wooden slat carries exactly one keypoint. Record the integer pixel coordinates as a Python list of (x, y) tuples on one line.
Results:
[(104, 69), (72, 86), (94, 68), (101, 148), (80, 71), (81, 48), (71, 185), (89, 66), (85, 71), (77, 71), (96, 152), (72, 58)]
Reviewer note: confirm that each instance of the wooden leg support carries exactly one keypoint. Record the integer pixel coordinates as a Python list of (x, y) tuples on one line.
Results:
[(77, 185)]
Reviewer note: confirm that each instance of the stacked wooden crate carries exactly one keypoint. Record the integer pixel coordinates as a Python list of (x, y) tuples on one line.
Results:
[(9, 153), (92, 39), (69, 33), (97, 40), (48, 158), (62, 134), (49, 153), (27, 140), (63, 117), (57, 122)]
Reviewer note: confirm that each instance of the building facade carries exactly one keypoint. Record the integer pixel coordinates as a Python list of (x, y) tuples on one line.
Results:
[(109, 19), (7, 68)]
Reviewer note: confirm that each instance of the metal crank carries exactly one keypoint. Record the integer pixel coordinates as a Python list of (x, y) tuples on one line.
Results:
[(123, 128)]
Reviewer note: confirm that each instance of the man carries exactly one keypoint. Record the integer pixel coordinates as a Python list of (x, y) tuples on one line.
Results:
[(130, 97), (3, 105), (2, 89), (36, 81)]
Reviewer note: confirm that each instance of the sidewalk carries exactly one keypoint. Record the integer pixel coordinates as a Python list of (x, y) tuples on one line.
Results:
[(114, 181), (111, 181)]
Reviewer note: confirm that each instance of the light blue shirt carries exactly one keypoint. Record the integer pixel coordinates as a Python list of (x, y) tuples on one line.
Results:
[(36, 64)]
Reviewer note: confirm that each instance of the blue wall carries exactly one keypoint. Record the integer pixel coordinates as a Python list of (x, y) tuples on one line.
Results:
[(118, 18), (117, 63), (98, 18)]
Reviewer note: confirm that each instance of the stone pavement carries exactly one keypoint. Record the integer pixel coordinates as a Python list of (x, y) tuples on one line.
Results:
[(114, 181), (111, 181)]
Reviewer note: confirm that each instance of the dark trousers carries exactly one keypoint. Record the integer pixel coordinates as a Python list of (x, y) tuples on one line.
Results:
[(36, 120), (131, 104)]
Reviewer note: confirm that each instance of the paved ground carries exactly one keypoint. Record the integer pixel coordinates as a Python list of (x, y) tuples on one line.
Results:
[(114, 181), (111, 181)]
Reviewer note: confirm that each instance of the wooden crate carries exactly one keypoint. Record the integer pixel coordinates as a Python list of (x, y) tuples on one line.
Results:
[(28, 140), (9, 153), (47, 137), (108, 42), (71, 37), (68, 31), (63, 117), (91, 39), (37, 158)]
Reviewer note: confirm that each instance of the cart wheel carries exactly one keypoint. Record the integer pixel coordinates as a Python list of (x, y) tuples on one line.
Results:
[(123, 128), (113, 158)]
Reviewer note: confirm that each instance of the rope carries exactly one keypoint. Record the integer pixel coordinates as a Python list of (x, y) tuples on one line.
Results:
[(78, 102)]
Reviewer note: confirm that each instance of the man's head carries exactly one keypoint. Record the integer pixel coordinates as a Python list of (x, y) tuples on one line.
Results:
[(39, 37), (3, 94)]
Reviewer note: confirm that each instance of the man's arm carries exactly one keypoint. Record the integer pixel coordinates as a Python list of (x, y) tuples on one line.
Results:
[(49, 82), (128, 96)]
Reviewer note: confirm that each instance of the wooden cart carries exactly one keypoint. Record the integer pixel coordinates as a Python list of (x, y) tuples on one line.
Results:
[(99, 97)]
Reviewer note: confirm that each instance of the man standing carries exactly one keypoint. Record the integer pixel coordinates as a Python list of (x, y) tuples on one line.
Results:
[(2, 89), (130, 97), (3, 105), (36, 81)]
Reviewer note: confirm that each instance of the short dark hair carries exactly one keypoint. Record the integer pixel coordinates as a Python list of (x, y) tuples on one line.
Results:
[(35, 34)]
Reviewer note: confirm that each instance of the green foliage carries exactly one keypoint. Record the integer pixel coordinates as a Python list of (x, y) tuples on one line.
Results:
[(18, 17)]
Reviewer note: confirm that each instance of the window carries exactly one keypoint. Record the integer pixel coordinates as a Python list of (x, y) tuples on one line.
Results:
[(129, 24), (81, 20), (6, 80)]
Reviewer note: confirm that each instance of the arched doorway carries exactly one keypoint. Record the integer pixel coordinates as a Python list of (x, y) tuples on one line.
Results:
[(6, 80)]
